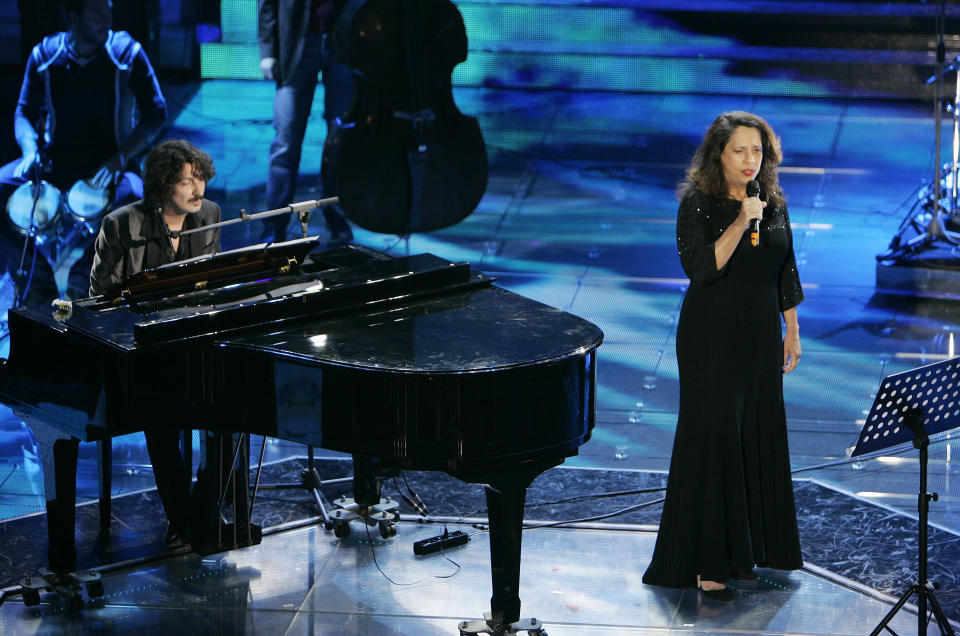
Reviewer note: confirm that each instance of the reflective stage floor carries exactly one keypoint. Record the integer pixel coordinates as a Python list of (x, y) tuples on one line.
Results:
[(575, 581), (579, 214)]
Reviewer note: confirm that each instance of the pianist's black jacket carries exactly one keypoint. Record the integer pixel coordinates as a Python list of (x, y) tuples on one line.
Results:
[(132, 239)]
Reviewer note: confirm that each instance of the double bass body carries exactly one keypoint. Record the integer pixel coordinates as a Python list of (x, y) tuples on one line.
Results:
[(404, 159)]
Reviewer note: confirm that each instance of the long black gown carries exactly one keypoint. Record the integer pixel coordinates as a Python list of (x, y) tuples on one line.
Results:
[(729, 503)]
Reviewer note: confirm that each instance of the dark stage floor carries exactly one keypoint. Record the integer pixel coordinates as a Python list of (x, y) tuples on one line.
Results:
[(579, 214)]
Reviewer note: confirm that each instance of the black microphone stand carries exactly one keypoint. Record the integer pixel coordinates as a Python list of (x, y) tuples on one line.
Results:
[(935, 227), (310, 479), (304, 222), (302, 209), (20, 290)]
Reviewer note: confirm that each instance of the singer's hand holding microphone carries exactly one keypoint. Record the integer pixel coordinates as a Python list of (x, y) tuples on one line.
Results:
[(751, 209)]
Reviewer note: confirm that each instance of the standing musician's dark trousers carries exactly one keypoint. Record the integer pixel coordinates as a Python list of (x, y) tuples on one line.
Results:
[(291, 110)]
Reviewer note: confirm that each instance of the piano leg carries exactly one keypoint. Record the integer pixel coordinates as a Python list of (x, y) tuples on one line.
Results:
[(105, 470), (506, 493), (368, 476), (61, 508), (505, 511), (58, 453)]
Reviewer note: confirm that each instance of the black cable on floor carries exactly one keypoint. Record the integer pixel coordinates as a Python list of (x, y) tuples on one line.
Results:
[(373, 551), (861, 458), (602, 495), (608, 515), (886, 452)]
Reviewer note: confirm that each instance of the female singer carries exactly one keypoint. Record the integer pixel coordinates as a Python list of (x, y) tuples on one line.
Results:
[(729, 503)]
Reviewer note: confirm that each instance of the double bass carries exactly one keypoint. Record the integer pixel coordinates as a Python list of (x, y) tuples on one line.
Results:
[(404, 158)]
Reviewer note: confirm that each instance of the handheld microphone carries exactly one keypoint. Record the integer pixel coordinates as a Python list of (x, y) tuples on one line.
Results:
[(753, 190)]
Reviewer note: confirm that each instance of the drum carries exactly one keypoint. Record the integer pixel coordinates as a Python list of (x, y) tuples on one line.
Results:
[(87, 203), (46, 215)]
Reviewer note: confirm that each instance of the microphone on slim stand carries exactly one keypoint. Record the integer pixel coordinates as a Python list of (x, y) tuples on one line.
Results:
[(753, 190)]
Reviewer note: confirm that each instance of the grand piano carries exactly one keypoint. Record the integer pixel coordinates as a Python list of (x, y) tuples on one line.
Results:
[(406, 363)]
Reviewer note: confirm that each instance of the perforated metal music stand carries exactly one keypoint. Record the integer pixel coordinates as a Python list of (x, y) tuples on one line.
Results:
[(910, 406)]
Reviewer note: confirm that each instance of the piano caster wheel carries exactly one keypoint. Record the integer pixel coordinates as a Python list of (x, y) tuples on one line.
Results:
[(31, 596), (74, 603), (95, 589), (388, 529), (531, 626), (341, 529)]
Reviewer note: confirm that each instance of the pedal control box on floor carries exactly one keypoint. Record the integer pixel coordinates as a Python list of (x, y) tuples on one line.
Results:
[(443, 541)]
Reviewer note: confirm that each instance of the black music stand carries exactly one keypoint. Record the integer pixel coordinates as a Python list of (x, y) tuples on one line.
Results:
[(909, 407)]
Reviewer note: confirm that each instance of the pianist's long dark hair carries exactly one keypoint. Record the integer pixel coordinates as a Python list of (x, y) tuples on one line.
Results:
[(164, 165)]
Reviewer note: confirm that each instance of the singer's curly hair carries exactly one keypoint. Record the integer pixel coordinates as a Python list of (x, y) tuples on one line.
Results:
[(164, 165), (706, 169)]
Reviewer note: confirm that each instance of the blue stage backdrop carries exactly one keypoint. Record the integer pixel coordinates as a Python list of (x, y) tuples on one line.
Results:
[(800, 49)]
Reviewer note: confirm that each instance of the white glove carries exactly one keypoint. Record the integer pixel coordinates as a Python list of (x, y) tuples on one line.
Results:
[(267, 67)]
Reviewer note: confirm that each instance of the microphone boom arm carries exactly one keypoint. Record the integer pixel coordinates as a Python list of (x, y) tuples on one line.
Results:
[(303, 207)]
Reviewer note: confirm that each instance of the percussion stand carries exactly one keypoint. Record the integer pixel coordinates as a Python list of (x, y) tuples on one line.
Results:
[(954, 108), (20, 290), (935, 229)]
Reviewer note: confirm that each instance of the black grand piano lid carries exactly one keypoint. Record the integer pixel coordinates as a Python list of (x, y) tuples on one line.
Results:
[(476, 330)]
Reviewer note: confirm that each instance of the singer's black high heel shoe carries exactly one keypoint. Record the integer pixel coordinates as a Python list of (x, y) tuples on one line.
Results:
[(724, 594)]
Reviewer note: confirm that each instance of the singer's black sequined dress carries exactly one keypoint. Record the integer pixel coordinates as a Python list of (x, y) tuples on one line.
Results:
[(729, 499)]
